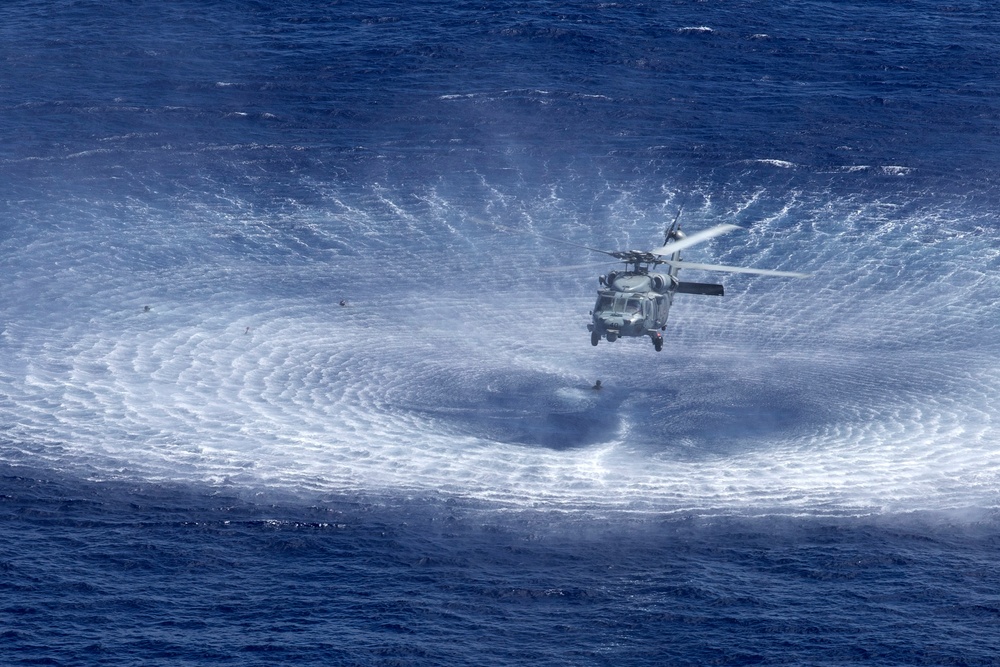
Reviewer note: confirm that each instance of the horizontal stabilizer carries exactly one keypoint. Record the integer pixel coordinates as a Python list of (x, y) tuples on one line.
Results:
[(707, 289)]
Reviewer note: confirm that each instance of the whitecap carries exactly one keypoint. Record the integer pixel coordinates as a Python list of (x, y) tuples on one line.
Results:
[(783, 164)]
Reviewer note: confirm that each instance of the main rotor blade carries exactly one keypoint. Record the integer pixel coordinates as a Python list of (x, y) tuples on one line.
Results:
[(694, 239), (734, 269)]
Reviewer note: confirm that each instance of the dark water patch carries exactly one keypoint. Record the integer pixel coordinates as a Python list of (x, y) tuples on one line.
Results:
[(526, 408)]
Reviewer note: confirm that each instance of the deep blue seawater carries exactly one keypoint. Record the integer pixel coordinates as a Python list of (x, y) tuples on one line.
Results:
[(205, 460)]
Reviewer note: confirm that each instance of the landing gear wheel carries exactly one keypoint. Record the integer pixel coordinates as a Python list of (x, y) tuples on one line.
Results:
[(594, 338), (612, 336)]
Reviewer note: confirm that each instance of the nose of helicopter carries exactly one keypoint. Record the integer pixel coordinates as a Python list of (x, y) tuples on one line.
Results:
[(611, 322)]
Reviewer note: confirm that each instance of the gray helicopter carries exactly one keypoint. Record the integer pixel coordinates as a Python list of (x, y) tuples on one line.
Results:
[(635, 302)]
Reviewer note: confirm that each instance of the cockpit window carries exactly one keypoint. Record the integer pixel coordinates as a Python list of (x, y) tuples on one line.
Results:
[(604, 303), (619, 304)]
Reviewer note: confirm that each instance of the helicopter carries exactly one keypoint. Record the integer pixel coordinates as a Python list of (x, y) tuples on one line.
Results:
[(635, 302)]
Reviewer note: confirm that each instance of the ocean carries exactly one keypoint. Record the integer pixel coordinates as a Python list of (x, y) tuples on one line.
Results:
[(294, 366)]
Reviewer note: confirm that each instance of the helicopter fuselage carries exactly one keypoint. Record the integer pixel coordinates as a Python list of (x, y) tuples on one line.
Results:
[(632, 303), (635, 302)]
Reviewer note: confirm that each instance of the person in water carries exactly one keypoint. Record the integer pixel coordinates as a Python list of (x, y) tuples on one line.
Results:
[(597, 385)]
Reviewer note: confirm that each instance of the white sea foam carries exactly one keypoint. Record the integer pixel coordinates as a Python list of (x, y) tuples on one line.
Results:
[(867, 388)]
